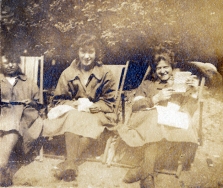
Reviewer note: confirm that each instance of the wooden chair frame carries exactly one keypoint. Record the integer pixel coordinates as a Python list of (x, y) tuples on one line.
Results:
[(31, 66), (112, 142), (31, 70)]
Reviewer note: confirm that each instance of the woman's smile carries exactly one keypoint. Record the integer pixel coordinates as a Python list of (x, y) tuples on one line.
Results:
[(87, 55), (9, 67), (164, 70)]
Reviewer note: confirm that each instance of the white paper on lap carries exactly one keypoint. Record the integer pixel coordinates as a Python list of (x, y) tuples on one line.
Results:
[(173, 118)]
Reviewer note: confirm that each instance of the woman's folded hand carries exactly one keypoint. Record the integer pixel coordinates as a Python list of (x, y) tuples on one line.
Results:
[(75, 104), (192, 81), (163, 95), (26, 101), (94, 109)]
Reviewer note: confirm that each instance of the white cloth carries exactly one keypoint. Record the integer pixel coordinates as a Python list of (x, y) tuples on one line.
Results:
[(58, 111), (11, 80), (138, 98), (84, 104)]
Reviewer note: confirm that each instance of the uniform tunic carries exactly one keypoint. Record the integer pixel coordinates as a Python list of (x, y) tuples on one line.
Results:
[(143, 126), (21, 118), (99, 89)]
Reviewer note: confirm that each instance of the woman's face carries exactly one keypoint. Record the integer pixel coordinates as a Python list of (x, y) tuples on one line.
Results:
[(87, 55), (8, 67), (164, 70)]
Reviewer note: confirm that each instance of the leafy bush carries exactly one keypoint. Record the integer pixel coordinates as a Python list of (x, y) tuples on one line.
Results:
[(126, 27)]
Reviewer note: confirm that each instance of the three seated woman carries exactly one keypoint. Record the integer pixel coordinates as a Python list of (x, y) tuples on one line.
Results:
[(84, 100)]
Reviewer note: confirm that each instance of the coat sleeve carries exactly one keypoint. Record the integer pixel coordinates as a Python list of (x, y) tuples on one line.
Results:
[(189, 105), (62, 90), (107, 93), (35, 95), (146, 91), (35, 92)]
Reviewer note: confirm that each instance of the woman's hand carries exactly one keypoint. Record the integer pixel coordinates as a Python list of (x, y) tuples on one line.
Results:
[(192, 81), (163, 95), (94, 109), (26, 101), (75, 104), (32, 103)]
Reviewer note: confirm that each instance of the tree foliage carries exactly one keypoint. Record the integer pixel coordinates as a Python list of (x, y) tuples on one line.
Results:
[(126, 27)]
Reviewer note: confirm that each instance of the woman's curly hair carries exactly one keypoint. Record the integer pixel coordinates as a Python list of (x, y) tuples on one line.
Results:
[(85, 40), (162, 53), (12, 56)]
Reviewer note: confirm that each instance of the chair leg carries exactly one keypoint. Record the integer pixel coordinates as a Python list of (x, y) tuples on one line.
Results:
[(41, 154), (179, 170), (180, 165), (108, 144), (112, 150)]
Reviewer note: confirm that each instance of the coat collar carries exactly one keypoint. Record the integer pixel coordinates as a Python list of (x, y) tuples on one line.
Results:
[(96, 72), (20, 76)]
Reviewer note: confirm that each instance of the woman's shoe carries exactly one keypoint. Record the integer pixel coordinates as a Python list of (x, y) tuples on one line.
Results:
[(133, 175), (147, 182), (66, 170), (69, 175), (57, 173)]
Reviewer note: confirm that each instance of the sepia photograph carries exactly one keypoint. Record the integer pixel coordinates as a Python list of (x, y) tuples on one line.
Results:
[(111, 93)]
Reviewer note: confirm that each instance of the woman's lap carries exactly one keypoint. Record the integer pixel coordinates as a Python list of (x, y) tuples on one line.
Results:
[(80, 123), (142, 128), (10, 118), (13, 121)]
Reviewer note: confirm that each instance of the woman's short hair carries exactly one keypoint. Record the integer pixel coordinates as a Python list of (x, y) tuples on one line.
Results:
[(11, 56), (162, 53), (85, 40)]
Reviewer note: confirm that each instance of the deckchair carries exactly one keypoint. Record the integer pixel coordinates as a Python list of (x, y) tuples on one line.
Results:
[(117, 71), (114, 142), (32, 67), (118, 97)]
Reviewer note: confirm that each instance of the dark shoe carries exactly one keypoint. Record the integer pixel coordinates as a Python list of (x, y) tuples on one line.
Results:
[(57, 173), (66, 170), (133, 175), (148, 182), (5, 179), (69, 175)]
